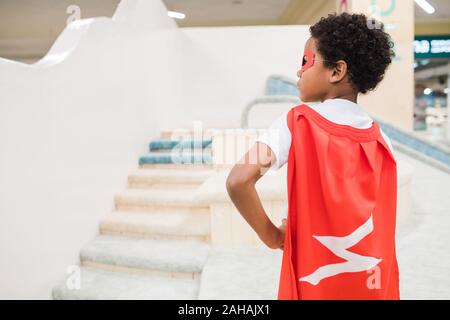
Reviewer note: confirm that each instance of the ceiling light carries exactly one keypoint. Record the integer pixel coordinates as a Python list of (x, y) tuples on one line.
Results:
[(426, 6), (176, 15), (427, 91)]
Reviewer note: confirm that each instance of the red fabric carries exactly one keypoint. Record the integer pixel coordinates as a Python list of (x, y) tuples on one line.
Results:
[(308, 60), (340, 232)]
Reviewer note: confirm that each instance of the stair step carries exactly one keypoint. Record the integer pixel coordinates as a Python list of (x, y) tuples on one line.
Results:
[(175, 226), (142, 178), (177, 166), (186, 157), (194, 150), (106, 285), (170, 258), (172, 144), (156, 200), (258, 277)]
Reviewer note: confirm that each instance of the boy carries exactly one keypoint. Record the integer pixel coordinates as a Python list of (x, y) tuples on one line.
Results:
[(338, 240)]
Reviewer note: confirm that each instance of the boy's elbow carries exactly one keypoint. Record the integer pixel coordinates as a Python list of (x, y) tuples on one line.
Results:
[(235, 181), (232, 183)]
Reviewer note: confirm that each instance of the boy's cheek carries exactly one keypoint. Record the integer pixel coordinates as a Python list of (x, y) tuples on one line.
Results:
[(310, 88), (305, 82), (304, 90)]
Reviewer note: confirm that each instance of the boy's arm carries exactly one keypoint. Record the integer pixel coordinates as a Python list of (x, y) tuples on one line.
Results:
[(241, 189)]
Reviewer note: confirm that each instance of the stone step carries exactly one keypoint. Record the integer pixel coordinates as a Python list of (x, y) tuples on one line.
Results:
[(194, 150), (258, 277), (170, 226), (186, 157), (166, 144), (173, 166), (96, 284), (156, 200), (169, 258), (160, 178)]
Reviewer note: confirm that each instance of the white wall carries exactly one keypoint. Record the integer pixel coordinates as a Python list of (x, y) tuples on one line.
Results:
[(71, 129), (224, 68)]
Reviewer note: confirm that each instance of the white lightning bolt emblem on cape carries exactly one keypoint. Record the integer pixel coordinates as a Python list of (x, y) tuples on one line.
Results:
[(339, 246)]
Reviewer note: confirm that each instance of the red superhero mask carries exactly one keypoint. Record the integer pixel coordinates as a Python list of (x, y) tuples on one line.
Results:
[(308, 60)]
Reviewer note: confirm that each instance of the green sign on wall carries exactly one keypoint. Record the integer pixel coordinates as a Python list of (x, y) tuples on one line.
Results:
[(428, 47)]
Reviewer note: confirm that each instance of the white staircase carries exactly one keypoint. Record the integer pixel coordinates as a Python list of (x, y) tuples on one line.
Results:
[(157, 242), (154, 244)]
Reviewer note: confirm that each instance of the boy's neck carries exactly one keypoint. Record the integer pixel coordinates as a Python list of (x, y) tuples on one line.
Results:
[(351, 97)]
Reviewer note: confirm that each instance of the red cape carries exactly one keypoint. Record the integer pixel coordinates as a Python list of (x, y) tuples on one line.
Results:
[(342, 194)]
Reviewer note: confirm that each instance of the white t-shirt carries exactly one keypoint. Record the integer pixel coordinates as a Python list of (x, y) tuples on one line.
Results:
[(340, 111)]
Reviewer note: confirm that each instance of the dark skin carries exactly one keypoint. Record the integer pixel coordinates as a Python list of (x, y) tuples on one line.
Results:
[(320, 83), (317, 83)]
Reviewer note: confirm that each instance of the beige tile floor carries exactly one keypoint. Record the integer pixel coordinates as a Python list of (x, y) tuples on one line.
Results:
[(423, 242)]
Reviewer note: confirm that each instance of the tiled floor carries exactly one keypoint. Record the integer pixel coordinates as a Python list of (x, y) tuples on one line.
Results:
[(423, 242)]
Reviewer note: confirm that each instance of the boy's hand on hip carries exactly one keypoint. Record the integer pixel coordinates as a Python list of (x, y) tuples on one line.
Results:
[(277, 241)]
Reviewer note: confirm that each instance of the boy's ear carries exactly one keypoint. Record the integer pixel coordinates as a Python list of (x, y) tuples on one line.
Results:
[(339, 72)]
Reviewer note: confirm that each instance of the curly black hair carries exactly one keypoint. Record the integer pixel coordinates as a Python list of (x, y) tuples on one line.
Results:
[(358, 40)]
